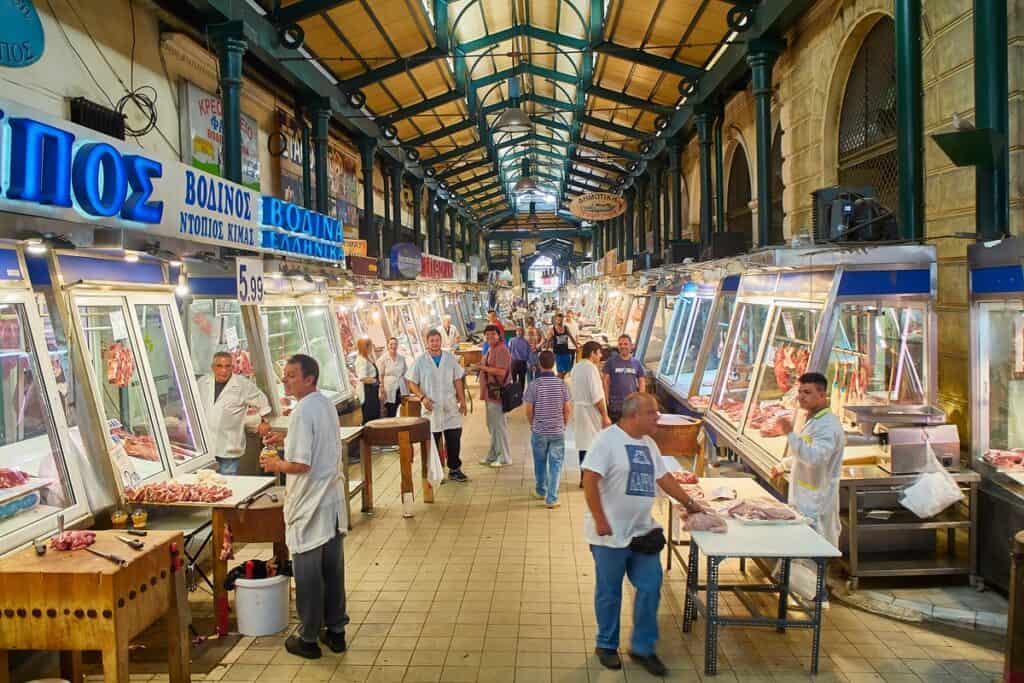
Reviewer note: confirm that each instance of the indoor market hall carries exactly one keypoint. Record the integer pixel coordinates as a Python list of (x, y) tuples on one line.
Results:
[(511, 340)]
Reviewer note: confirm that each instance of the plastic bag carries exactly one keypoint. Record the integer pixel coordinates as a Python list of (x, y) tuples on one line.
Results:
[(435, 471), (933, 491)]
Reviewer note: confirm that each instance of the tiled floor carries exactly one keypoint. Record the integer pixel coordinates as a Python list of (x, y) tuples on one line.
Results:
[(489, 585)]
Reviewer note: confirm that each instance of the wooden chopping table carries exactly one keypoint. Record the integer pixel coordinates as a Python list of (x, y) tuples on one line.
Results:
[(74, 601)]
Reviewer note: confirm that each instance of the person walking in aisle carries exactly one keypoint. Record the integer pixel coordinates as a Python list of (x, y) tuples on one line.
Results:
[(391, 369), (574, 334), (536, 340), (226, 398), (558, 341), (623, 375), (519, 347), (436, 379), (316, 518), (548, 409), (369, 377), (496, 372), (620, 473), (590, 413), (449, 334)]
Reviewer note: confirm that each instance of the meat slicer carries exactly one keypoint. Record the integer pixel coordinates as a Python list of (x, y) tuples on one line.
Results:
[(904, 434)]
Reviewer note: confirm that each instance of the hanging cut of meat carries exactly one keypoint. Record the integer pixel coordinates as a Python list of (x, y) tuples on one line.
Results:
[(120, 364), (11, 477), (242, 363), (177, 492), (788, 364), (73, 540), (142, 447)]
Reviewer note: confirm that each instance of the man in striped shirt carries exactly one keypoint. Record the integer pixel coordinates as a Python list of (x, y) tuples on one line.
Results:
[(548, 408)]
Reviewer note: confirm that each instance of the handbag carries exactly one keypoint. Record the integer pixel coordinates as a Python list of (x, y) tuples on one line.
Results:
[(650, 543), (511, 394)]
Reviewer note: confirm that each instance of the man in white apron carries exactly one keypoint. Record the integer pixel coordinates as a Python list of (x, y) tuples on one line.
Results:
[(449, 334), (226, 399), (436, 379), (590, 414)]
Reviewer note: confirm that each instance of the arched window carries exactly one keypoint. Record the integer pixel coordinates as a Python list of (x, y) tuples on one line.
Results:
[(738, 216), (867, 120), (776, 235)]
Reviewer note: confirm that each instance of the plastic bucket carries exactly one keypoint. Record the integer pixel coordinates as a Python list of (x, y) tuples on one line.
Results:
[(261, 605)]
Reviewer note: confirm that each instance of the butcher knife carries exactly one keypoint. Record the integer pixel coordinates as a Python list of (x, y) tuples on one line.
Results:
[(133, 542), (110, 557)]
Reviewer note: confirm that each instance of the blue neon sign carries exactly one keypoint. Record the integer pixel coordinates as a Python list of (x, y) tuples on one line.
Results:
[(301, 231)]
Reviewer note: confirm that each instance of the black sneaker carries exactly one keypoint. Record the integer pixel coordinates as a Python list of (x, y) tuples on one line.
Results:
[(300, 648), (335, 642), (651, 663), (457, 475), (609, 658)]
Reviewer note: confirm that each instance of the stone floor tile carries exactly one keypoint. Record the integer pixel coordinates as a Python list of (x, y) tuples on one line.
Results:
[(422, 674)]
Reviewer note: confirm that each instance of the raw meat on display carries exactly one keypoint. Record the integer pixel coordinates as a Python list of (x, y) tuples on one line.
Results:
[(120, 364), (11, 477), (177, 492), (1006, 459), (685, 477), (704, 521), (242, 363), (760, 509), (141, 447), (788, 364), (73, 540), (699, 402)]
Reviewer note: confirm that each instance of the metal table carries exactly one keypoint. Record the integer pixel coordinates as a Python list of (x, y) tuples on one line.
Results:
[(783, 542)]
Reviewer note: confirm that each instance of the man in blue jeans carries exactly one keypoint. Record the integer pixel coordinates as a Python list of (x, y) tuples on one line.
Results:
[(620, 473), (548, 408)]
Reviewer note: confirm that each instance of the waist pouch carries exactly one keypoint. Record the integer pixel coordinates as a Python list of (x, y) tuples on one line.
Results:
[(650, 543)]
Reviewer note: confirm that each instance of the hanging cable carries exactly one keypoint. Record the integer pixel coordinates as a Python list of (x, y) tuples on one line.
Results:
[(144, 98)]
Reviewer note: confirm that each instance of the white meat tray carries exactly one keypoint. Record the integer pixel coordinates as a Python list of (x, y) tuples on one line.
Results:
[(34, 484), (242, 486)]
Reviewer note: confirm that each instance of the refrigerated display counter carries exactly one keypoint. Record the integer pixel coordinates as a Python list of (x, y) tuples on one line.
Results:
[(400, 319), (43, 474), (997, 399)]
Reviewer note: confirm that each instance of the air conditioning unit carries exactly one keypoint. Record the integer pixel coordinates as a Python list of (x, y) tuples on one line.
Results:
[(851, 214)]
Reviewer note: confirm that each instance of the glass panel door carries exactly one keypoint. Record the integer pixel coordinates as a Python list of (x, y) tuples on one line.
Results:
[(1001, 366), (634, 317), (674, 345), (691, 345), (216, 325), (284, 340), (321, 345), (174, 395), (716, 347), (741, 359)]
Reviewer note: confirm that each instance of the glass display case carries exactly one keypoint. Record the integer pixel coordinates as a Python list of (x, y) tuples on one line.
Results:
[(866, 321), (635, 317), (40, 479), (213, 325), (371, 322), (402, 324), (651, 342), (349, 332)]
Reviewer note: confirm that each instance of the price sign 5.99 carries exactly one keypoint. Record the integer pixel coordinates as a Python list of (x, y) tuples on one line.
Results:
[(249, 280)]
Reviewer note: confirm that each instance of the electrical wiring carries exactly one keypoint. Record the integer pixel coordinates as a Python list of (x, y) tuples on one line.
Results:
[(143, 98)]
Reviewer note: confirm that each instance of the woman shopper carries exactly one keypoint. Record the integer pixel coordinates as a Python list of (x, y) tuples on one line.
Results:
[(558, 341), (590, 414), (496, 372), (392, 369), (369, 377)]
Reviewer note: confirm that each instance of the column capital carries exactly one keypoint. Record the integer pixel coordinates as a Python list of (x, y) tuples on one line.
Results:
[(765, 47), (229, 35)]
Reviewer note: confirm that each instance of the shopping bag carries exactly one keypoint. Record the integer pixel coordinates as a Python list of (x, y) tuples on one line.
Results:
[(435, 471), (933, 491)]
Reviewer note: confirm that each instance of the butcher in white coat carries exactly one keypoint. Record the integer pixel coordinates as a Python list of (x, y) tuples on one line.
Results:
[(226, 399), (435, 378), (590, 413)]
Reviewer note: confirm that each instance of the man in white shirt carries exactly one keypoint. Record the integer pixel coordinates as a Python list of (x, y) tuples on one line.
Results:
[(620, 473), (449, 334), (226, 399), (315, 515), (436, 379)]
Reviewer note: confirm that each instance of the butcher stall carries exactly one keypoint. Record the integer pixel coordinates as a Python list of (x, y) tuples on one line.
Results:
[(865, 318), (43, 475), (997, 399), (401, 320)]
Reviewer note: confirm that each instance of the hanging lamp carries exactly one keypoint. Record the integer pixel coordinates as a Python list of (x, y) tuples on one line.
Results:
[(513, 119), (526, 183)]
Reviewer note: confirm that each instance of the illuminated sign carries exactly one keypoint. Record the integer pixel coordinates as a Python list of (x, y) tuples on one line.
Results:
[(291, 228), (21, 33), (406, 261)]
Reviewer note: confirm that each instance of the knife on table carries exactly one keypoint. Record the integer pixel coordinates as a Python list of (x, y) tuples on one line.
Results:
[(109, 557)]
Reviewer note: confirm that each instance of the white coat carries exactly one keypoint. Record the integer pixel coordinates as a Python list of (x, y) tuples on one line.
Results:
[(437, 382), (587, 389), (449, 337), (227, 414), (815, 463), (392, 376)]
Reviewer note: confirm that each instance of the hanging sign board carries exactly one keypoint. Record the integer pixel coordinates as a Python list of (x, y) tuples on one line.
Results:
[(249, 274), (354, 247), (202, 131), (406, 261), (436, 268), (21, 33), (363, 265), (597, 206)]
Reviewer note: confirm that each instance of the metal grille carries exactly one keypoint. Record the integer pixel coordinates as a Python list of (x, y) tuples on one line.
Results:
[(776, 235), (867, 122), (738, 216)]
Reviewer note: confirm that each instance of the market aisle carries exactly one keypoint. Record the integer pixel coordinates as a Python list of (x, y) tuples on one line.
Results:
[(487, 584)]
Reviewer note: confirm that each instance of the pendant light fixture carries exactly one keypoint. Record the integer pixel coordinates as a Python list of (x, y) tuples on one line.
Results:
[(526, 183), (513, 119)]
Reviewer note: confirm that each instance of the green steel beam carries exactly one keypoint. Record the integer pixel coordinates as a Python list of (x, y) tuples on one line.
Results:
[(647, 59), (451, 154), (527, 31), (608, 149), (577, 173), (558, 105), (440, 133), (482, 200), (304, 9), (537, 150), (505, 74), (628, 100), (556, 125), (482, 190), (612, 127), (454, 171), (600, 165), (514, 234), (991, 109), (470, 181), (393, 69), (420, 108), (485, 221), (441, 28), (521, 140)]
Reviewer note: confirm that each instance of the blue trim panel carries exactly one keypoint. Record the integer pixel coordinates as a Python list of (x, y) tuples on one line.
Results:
[(997, 280), (38, 271), (731, 283), (861, 282), (76, 268), (10, 268), (213, 286)]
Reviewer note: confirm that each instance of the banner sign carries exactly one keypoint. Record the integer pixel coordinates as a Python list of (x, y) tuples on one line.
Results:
[(355, 247), (55, 169), (406, 261), (21, 33), (436, 268), (597, 206), (342, 171), (202, 131), (363, 265)]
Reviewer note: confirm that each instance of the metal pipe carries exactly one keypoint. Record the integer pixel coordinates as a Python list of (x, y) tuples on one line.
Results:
[(703, 121), (909, 118), (231, 45), (991, 94), (307, 162), (630, 235), (321, 120), (643, 185), (720, 175), (761, 72), (675, 188), (367, 149)]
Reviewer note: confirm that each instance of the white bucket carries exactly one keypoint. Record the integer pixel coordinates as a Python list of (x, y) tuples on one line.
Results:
[(261, 605)]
